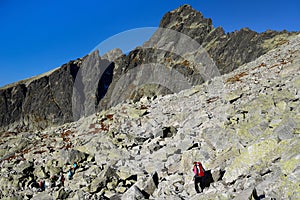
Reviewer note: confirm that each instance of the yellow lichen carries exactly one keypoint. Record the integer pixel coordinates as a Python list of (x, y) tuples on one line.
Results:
[(251, 156), (276, 41), (288, 166)]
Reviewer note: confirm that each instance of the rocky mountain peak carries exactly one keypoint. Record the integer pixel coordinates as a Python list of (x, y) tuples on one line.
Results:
[(189, 21), (113, 54), (192, 48), (180, 15)]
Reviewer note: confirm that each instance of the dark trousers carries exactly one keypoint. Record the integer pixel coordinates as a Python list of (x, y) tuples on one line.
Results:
[(199, 183)]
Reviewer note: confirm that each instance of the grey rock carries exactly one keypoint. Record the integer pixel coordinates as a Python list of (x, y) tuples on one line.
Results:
[(133, 193), (102, 179), (42, 195), (286, 129), (217, 174), (115, 197), (250, 194), (148, 184), (126, 172), (112, 55), (188, 26), (227, 50), (86, 93), (78, 195), (24, 167), (61, 194), (70, 156), (96, 185)]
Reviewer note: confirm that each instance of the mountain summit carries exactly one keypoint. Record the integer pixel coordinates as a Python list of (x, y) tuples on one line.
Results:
[(48, 99)]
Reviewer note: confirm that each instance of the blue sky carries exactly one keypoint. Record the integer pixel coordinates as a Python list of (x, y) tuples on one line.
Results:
[(39, 35)]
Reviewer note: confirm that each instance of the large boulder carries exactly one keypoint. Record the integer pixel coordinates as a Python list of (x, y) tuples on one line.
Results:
[(249, 158), (133, 193), (69, 156), (43, 195)]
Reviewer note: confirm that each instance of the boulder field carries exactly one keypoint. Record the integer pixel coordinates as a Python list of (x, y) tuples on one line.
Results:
[(243, 126)]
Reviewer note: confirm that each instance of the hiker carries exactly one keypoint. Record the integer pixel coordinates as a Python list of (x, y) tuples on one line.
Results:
[(61, 179), (75, 166), (199, 176), (70, 173), (42, 185), (52, 181), (46, 184)]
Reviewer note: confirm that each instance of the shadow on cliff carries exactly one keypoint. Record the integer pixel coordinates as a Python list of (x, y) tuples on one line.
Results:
[(105, 80)]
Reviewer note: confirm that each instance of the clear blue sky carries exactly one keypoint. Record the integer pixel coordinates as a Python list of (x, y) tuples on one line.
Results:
[(39, 35)]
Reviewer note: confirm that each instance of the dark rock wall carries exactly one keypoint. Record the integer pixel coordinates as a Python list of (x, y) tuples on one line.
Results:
[(39, 102)]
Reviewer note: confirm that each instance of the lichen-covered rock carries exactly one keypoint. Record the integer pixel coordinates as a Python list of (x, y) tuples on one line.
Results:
[(249, 159)]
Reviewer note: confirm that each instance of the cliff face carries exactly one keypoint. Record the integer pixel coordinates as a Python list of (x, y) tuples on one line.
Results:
[(188, 43), (39, 102), (186, 48), (243, 126)]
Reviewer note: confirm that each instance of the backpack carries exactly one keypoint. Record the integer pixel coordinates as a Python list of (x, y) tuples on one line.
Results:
[(70, 174), (198, 169), (41, 184)]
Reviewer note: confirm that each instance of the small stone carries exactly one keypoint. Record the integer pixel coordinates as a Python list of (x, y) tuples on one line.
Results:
[(121, 189)]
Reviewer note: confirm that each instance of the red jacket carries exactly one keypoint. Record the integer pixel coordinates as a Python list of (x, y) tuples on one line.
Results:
[(198, 169)]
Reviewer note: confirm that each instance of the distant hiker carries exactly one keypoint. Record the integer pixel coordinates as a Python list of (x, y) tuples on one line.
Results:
[(75, 165), (70, 173), (46, 184), (42, 185), (199, 176), (52, 181), (61, 180)]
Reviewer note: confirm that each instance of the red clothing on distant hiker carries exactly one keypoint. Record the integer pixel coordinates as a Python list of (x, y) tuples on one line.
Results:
[(198, 169), (199, 181)]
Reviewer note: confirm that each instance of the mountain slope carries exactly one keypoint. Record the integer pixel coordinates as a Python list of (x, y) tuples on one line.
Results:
[(243, 126)]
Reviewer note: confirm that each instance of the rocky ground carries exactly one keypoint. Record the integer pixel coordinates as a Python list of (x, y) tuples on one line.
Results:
[(244, 127)]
